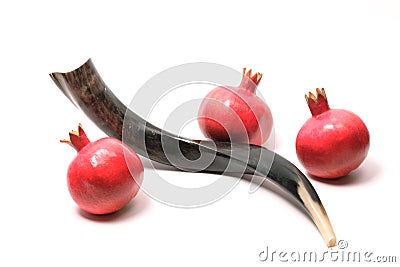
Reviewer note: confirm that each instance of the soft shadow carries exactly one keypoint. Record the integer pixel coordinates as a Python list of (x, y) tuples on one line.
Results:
[(276, 189), (367, 172), (275, 143), (139, 204), (273, 187), (149, 164)]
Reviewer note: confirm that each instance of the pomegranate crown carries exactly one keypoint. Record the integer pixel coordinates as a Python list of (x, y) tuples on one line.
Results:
[(317, 103), (317, 96), (255, 78), (78, 139)]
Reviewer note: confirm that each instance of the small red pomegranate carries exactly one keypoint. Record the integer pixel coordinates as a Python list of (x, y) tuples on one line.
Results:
[(236, 114), (333, 142), (105, 175)]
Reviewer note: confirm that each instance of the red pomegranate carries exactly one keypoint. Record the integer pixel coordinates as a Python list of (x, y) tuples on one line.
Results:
[(236, 114), (333, 142), (105, 175)]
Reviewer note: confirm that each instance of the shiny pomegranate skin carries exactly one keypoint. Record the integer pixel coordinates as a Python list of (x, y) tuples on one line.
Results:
[(236, 114), (333, 142), (104, 176)]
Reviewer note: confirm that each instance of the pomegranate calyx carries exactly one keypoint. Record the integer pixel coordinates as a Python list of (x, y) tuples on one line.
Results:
[(317, 103), (250, 81), (78, 139)]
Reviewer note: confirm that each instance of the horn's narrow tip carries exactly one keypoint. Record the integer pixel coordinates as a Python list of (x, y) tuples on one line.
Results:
[(323, 224), (319, 216), (330, 241)]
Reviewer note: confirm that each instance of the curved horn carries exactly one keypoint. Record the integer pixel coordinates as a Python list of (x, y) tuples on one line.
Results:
[(86, 90)]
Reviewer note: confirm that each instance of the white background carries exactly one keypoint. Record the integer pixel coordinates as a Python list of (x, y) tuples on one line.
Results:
[(351, 48)]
